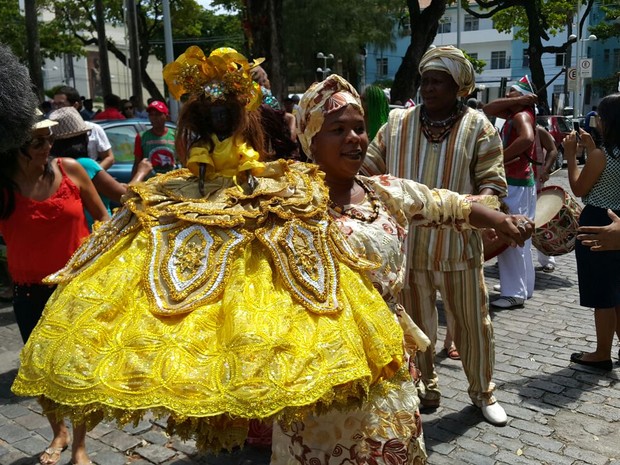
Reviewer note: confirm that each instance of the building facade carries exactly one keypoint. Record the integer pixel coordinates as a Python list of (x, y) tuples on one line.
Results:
[(506, 57)]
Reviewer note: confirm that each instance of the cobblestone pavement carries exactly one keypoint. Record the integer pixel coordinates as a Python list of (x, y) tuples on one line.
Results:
[(559, 413)]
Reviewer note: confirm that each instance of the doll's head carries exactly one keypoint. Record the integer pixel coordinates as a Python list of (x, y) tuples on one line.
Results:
[(221, 97)]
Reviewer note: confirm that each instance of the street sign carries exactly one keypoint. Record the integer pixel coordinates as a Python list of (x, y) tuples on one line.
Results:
[(585, 67), (572, 79), (572, 74)]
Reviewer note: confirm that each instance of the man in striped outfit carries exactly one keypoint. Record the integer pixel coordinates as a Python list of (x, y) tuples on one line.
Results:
[(445, 144)]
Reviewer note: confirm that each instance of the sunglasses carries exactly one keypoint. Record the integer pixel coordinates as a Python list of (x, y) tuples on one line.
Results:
[(39, 142)]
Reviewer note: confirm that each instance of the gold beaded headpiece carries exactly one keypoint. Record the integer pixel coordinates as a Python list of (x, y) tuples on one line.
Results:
[(224, 72)]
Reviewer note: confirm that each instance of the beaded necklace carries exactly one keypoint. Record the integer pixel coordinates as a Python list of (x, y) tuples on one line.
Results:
[(445, 124), (351, 212)]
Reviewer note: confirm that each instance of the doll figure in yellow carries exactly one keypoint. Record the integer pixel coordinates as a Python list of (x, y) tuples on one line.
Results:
[(219, 293)]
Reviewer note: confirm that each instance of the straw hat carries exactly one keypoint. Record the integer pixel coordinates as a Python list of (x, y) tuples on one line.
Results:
[(41, 122), (70, 123)]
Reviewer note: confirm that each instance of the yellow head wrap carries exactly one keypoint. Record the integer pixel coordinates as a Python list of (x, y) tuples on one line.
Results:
[(320, 100), (452, 61), (224, 71)]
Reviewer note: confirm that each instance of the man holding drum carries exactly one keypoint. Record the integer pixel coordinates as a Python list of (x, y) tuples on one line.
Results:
[(516, 268), (443, 143)]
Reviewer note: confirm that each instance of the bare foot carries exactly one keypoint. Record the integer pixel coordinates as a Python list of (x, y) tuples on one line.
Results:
[(80, 457)]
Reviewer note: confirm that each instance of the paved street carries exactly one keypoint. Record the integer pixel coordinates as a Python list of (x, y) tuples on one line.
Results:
[(559, 413)]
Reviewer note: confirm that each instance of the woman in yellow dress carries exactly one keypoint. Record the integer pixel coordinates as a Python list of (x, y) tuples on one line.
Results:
[(217, 294)]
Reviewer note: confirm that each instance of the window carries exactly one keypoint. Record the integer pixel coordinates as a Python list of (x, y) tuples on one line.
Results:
[(560, 59), (445, 25), (499, 61), (558, 89), (526, 59), (474, 56), (616, 62), (471, 23), (382, 67), (606, 55)]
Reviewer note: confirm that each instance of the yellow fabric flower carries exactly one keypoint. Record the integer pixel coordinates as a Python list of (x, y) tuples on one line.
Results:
[(224, 71), (228, 158)]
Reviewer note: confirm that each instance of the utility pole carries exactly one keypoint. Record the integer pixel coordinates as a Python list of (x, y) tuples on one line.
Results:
[(104, 64), (174, 105), (33, 46), (134, 49)]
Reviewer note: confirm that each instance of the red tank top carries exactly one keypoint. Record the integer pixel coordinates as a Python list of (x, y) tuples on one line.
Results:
[(41, 236), (519, 171)]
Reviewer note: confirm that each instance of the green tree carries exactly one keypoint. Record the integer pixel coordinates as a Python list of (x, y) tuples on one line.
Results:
[(609, 27), (537, 20), (290, 33), (189, 23), (54, 42), (423, 25)]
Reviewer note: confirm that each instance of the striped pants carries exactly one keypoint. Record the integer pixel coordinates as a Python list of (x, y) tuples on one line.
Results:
[(466, 302)]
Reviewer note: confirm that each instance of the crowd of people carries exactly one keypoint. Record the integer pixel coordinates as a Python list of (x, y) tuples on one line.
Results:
[(253, 298)]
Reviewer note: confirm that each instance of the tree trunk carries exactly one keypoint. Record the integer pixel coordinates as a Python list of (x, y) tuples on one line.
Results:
[(135, 53), (423, 26), (33, 46), (263, 28), (535, 51), (104, 65)]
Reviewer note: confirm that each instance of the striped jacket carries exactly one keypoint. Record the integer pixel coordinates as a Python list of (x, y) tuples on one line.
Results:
[(467, 161)]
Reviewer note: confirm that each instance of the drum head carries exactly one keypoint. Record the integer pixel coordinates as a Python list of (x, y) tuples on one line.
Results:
[(548, 204)]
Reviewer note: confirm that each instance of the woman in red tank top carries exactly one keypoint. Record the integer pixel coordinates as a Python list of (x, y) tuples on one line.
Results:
[(41, 219)]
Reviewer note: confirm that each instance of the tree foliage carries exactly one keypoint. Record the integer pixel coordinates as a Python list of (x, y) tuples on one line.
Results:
[(340, 28), (537, 20), (423, 25), (312, 26), (610, 26), (191, 24), (54, 41)]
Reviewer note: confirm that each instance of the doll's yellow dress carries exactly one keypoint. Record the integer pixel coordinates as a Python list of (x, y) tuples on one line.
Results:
[(212, 310)]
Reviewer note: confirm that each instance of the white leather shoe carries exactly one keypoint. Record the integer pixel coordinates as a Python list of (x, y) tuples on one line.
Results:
[(497, 287), (493, 413)]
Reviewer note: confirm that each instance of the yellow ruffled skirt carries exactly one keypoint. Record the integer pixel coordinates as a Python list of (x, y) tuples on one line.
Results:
[(102, 348)]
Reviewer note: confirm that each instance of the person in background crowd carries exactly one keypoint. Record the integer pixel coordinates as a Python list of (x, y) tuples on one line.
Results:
[(127, 109), (156, 144), (376, 109), (262, 79), (99, 147), (472, 103), (45, 107), (71, 135), (138, 108), (111, 108), (516, 267), (280, 133), (289, 105), (87, 112), (42, 220), (445, 144), (591, 125), (598, 269)]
